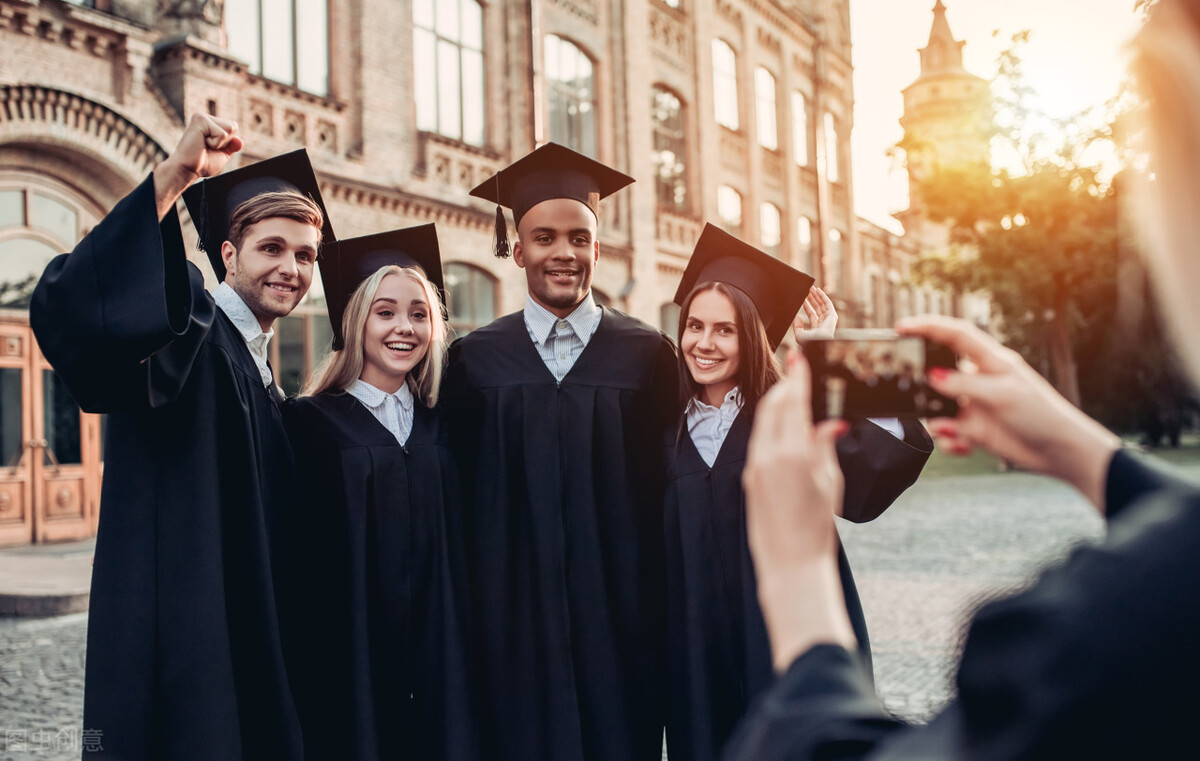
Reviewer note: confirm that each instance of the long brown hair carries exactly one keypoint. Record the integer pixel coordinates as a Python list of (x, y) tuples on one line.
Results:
[(758, 369), (341, 368)]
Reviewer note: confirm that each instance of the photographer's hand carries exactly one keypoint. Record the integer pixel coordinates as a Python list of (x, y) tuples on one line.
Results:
[(1007, 408), (793, 485)]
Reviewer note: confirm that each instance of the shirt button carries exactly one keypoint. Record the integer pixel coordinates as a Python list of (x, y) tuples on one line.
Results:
[(562, 356)]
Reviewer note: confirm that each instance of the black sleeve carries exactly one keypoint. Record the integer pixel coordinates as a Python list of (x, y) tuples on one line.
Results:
[(824, 707), (879, 467), (1132, 475), (122, 317)]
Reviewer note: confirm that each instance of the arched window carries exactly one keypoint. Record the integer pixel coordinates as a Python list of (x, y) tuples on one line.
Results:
[(725, 90), (448, 78), (769, 226), (470, 297), (729, 208), (38, 221), (572, 88), (764, 99), (670, 149), (800, 131), (283, 40)]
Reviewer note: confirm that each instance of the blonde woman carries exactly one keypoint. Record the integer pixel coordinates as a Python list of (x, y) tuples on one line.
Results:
[(374, 629)]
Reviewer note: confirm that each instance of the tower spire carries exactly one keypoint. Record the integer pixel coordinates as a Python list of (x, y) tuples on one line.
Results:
[(942, 52)]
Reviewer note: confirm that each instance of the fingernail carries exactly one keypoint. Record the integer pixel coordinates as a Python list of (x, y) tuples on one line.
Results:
[(938, 373), (843, 428)]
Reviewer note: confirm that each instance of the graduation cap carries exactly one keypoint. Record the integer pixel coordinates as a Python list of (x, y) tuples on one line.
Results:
[(776, 289), (211, 202), (552, 171), (347, 263)]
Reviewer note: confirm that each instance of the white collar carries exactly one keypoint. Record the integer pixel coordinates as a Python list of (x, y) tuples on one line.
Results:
[(583, 320), (374, 397)]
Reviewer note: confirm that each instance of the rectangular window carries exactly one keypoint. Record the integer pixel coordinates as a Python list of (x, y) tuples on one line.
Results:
[(799, 128), (283, 40), (833, 143), (448, 74)]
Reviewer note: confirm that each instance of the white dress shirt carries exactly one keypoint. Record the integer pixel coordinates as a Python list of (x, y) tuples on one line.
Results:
[(247, 324), (560, 341), (393, 411), (708, 426)]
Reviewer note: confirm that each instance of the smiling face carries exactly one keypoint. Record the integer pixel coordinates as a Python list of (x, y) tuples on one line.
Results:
[(273, 269), (558, 249), (397, 333), (710, 345)]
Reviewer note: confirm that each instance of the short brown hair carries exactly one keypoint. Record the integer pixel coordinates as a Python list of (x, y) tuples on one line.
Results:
[(279, 203)]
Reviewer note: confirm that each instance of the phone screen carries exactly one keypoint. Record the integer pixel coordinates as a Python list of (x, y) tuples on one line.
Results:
[(876, 374)]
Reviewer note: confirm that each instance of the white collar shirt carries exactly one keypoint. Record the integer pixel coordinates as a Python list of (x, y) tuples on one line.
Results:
[(247, 324), (708, 426), (560, 341), (393, 411)]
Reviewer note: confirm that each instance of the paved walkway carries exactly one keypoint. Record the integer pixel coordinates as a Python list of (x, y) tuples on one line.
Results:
[(947, 544), (45, 579)]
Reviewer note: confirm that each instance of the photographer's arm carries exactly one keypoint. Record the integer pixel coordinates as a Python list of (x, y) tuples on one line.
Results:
[(793, 485), (1008, 409)]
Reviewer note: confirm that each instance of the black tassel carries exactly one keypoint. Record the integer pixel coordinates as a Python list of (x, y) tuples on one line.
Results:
[(202, 223), (500, 243)]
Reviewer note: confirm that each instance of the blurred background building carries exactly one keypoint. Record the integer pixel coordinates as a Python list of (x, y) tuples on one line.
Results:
[(738, 112)]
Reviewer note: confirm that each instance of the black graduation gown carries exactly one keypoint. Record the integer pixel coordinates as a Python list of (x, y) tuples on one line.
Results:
[(1096, 660), (719, 653), (563, 487), (184, 659), (374, 628)]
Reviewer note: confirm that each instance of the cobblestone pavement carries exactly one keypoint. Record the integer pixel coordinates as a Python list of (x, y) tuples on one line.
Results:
[(41, 687), (946, 545)]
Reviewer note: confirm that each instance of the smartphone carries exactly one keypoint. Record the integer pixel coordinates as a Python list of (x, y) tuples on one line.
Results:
[(876, 373)]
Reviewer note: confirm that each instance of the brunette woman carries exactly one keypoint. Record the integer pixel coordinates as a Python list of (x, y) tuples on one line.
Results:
[(376, 632), (736, 305)]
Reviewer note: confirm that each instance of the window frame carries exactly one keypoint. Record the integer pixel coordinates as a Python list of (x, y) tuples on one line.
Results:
[(561, 88), (477, 135)]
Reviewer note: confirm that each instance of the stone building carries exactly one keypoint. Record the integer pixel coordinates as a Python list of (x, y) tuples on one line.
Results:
[(734, 111)]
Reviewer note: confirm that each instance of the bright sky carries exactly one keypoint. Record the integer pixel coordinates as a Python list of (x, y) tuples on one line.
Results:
[(1074, 59)]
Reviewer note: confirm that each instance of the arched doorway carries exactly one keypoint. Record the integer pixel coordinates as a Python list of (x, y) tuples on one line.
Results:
[(64, 161)]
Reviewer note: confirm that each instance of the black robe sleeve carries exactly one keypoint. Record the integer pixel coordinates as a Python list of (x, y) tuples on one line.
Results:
[(879, 467), (1095, 660), (122, 317)]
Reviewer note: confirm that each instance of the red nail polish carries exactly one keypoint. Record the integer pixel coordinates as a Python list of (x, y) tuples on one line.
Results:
[(938, 373)]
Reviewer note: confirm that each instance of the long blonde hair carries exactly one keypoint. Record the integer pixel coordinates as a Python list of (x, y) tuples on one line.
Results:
[(342, 367)]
